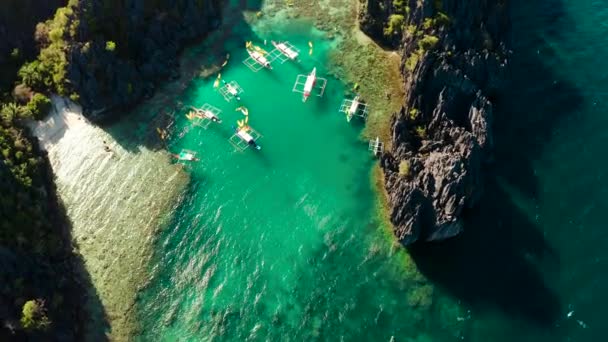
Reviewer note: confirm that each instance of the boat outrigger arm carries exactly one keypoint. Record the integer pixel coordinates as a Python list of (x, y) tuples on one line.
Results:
[(231, 90), (185, 155), (204, 116), (258, 58), (354, 107), (248, 138), (284, 51), (376, 146), (310, 84), (245, 137)]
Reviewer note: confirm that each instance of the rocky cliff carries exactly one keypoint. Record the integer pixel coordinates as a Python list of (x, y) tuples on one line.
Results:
[(120, 50), (18, 19), (453, 60)]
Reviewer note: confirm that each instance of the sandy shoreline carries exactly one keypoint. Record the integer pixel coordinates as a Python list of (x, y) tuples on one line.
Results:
[(114, 211), (65, 115)]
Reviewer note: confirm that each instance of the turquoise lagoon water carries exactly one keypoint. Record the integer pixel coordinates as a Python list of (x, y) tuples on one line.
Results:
[(283, 244)]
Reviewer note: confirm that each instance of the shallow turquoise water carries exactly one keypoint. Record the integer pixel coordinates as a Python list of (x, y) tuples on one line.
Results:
[(282, 244)]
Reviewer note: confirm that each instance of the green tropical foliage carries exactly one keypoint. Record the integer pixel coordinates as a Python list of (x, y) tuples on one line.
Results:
[(34, 316)]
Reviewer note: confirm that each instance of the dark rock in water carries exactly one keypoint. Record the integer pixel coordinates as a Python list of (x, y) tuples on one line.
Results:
[(147, 40), (453, 61)]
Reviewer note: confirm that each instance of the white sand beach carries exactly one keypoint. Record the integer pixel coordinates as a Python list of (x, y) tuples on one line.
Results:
[(114, 211)]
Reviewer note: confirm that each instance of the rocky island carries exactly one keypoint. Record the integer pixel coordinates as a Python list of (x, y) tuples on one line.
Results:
[(454, 58)]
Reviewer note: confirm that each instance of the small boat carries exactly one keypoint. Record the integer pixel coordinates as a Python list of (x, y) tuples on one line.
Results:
[(286, 50), (311, 80), (207, 114), (246, 137), (185, 155), (259, 58), (353, 108), (232, 90)]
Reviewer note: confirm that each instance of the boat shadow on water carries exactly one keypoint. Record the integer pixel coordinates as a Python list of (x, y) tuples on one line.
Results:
[(496, 263)]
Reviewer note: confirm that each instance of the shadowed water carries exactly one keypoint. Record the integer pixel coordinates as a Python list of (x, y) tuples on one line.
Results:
[(531, 262)]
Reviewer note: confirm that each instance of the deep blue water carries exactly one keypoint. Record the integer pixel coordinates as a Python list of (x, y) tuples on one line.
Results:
[(532, 263)]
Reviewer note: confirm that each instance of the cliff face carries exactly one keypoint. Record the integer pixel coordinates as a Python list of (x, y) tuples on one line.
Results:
[(18, 19), (122, 49), (453, 59)]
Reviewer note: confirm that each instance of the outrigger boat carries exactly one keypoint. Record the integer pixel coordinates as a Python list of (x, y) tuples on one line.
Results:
[(185, 155), (376, 146), (286, 49), (245, 136), (231, 90), (311, 80), (354, 107), (259, 57), (204, 116), (248, 138), (306, 84)]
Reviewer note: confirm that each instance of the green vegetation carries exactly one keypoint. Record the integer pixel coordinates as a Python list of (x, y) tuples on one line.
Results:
[(421, 132), (110, 46), (412, 61), (31, 221), (411, 30), (404, 168), (39, 106), (428, 42), (34, 316), (401, 7), (441, 19), (395, 25), (48, 71), (414, 113)]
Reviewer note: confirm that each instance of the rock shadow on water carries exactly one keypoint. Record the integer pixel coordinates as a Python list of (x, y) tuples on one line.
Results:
[(51, 271), (535, 99), (496, 262)]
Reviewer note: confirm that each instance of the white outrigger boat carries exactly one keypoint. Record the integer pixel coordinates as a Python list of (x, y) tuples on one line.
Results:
[(185, 156), (286, 49), (354, 107), (376, 146), (248, 138), (204, 116), (311, 80), (258, 58), (231, 90), (306, 84), (245, 136)]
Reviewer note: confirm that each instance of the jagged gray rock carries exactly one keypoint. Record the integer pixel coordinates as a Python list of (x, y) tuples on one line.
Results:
[(443, 131)]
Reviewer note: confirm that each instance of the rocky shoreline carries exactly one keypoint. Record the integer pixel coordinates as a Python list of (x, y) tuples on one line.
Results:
[(454, 57)]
